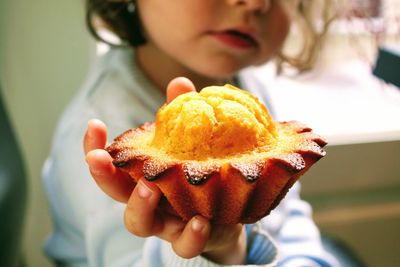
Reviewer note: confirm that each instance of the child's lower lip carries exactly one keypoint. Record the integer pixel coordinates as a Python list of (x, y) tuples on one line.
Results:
[(233, 40)]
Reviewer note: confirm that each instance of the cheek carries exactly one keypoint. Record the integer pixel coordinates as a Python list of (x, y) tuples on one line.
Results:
[(152, 18), (275, 33), (167, 28), (178, 18), (283, 18)]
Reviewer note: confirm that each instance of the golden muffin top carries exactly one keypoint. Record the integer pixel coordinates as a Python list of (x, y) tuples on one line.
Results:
[(218, 121)]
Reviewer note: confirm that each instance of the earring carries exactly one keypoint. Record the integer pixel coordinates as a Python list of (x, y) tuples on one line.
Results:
[(135, 35), (131, 7)]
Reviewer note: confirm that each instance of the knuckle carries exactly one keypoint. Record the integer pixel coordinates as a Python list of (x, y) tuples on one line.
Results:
[(183, 253), (184, 250), (134, 226)]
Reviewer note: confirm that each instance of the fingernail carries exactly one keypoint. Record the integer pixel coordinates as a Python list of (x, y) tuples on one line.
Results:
[(197, 225), (143, 190)]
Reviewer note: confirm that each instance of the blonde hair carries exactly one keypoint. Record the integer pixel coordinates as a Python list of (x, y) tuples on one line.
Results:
[(311, 21)]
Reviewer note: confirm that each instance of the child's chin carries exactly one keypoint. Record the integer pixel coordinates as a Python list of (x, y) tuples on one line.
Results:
[(219, 67), (221, 73)]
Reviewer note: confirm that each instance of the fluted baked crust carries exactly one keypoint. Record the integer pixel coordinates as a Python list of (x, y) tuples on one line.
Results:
[(237, 189)]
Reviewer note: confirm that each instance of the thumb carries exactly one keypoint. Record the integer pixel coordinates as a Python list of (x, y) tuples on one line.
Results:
[(179, 86), (95, 136)]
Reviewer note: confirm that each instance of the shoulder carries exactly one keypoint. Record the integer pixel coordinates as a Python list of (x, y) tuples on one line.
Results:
[(116, 92)]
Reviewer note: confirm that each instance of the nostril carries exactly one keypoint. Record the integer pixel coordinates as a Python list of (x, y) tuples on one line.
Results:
[(261, 6)]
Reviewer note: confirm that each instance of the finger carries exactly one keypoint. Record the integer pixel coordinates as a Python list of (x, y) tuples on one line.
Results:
[(95, 136), (193, 239), (143, 217), (111, 180), (179, 86), (169, 227), (140, 213)]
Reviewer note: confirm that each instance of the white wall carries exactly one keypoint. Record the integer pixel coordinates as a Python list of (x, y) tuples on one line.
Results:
[(44, 55)]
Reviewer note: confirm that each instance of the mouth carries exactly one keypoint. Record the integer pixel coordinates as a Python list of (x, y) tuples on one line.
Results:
[(237, 39)]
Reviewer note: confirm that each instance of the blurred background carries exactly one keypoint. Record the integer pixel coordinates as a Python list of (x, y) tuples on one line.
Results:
[(45, 52)]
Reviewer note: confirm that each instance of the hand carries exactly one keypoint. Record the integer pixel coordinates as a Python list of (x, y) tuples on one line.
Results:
[(221, 244)]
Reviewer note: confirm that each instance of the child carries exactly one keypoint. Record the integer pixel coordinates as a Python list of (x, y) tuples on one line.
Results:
[(209, 42)]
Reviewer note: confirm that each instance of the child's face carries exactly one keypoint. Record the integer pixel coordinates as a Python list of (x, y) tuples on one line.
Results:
[(215, 38)]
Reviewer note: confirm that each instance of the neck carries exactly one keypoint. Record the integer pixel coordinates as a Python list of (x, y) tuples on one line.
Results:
[(160, 69)]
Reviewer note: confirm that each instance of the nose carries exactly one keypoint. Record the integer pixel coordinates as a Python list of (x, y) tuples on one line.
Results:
[(253, 5)]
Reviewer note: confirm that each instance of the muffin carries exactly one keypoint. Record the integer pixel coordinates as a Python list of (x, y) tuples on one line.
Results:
[(218, 153)]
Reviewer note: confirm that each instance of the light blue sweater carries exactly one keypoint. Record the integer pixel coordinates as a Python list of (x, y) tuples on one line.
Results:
[(88, 225)]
